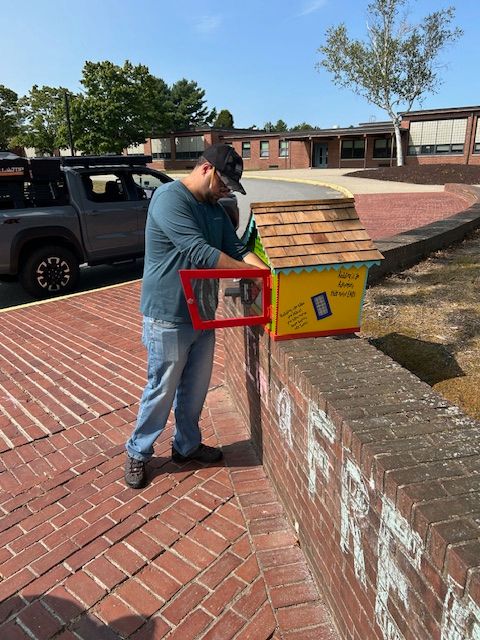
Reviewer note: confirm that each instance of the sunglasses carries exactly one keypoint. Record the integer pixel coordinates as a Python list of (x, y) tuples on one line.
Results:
[(222, 179)]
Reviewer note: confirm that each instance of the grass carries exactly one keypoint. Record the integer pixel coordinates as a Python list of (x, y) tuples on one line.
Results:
[(427, 318)]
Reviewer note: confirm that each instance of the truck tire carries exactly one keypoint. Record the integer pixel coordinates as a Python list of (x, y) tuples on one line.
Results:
[(49, 271)]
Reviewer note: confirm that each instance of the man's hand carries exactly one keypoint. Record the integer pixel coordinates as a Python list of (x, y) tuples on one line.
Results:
[(250, 261)]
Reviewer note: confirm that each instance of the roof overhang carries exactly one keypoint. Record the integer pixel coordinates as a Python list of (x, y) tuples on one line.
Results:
[(443, 111)]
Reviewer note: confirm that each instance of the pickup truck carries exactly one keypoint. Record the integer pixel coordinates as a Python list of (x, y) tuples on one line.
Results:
[(59, 213)]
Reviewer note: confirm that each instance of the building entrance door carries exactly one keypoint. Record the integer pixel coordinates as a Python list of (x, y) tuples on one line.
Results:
[(320, 155)]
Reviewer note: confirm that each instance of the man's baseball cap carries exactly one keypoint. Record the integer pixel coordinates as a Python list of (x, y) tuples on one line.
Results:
[(228, 163)]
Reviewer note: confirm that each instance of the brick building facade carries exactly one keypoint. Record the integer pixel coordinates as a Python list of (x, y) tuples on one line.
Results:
[(429, 136)]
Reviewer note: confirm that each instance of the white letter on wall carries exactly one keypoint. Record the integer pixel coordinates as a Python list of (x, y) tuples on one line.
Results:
[(395, 533), (284, 410), (318, 426), (354, 508), (461, 617)]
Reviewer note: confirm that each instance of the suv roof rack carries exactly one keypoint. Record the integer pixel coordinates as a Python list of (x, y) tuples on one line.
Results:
[(98, 161)]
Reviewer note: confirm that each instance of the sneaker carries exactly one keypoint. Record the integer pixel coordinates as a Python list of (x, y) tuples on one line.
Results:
[(202, 453), (135, 475)]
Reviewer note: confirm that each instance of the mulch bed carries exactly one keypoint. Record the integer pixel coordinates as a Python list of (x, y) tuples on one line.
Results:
[(424, 174)]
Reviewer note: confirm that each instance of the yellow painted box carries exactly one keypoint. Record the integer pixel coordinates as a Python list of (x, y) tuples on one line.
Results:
[(319, 254)]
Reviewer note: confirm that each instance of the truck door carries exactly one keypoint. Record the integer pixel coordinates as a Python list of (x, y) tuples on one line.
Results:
[(110, 220), (142, 184)]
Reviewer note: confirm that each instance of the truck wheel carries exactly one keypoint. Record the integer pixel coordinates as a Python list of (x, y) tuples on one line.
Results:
[(49, 271)]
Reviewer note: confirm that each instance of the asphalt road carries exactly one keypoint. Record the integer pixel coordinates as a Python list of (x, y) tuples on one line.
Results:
[(12, 294), (275, 190)]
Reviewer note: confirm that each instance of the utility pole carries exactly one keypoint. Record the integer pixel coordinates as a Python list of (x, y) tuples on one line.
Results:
[(69, 123)]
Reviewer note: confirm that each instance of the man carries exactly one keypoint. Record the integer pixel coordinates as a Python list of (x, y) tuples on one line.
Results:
[(186, 228)]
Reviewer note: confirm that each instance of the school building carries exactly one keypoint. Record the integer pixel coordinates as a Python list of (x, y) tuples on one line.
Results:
[(428, 136)]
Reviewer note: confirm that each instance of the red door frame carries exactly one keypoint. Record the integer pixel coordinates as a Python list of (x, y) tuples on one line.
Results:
[(186, 277)]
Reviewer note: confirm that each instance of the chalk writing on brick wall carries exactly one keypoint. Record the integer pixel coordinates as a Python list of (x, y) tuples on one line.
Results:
[(355, 504), (395, 534), (263, 385), (284, 411), (461, 617), (320, 428)]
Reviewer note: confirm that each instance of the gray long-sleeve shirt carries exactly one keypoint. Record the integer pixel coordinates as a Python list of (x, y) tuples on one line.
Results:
[(182, 233)]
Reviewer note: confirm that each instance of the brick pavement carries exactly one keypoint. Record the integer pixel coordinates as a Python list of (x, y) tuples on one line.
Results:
[(386, 214), (202, 552)]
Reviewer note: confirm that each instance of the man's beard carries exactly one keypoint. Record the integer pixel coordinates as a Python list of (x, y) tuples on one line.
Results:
[(211, 198)]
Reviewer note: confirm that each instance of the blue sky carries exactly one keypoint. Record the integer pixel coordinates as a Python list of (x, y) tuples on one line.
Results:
[(256, 58)]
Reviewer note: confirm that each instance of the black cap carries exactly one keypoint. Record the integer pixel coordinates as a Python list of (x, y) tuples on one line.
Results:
[(229, 164)]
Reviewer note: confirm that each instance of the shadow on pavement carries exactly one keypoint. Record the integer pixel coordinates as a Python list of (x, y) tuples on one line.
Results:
[(48, 616)]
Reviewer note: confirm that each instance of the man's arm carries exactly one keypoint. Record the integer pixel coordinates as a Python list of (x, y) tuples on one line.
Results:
[(254, 260), (250, 261)]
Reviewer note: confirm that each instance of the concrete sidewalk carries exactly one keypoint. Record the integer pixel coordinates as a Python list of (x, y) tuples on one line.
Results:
[(202, 552), (341, 178)]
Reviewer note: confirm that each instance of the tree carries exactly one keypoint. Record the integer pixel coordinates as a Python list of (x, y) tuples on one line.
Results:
[(224, 120), (188, 101), (43, 111), (280, 126), (303, 126), (397, 65), (121, 106), (212, 116), (9, 116)]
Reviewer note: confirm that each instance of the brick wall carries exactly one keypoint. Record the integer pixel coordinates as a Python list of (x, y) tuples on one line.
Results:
[(298, 154), (379, 475)]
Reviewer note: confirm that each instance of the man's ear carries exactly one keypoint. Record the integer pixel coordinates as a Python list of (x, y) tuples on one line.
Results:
[(206, 166)]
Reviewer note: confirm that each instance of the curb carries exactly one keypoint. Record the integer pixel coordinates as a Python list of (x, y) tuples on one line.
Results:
[(67, 296), (406, 249)]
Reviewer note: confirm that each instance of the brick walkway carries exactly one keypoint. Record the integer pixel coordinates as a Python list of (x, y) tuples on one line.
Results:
[(386, 214), (202, 552)]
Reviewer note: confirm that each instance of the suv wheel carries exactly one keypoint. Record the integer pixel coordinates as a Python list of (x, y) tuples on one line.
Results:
[(49, 271)]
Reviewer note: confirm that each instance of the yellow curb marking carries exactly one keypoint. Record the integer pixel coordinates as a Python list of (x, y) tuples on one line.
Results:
[(315, 183), (66, 297)]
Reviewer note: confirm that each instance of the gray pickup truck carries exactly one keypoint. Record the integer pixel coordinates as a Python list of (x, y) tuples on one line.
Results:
[(59, 213)]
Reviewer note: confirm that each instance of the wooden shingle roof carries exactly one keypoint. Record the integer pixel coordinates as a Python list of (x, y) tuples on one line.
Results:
[(306, 233)]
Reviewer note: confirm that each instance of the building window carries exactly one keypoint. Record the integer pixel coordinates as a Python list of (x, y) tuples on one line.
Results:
[(161, 148), (437, 137), (353, 149), (245, 149), (476, 148), (283, 148), (264, 148), (189, 147), (382, 148)]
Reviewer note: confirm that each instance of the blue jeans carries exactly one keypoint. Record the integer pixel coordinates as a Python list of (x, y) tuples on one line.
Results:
[(180, 361)]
